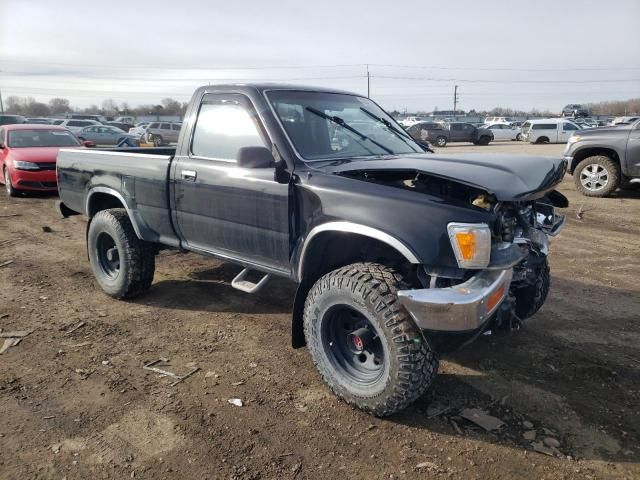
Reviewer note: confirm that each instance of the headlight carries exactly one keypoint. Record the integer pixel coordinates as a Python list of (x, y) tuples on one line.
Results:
[(471, 244), (574, 138), (25, 165)]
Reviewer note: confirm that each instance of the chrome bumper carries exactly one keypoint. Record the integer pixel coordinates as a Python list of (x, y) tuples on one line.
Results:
[(461, 308)]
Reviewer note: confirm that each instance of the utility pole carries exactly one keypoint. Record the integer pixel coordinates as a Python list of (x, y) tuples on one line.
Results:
[(455, 100), (368, 83), (1, 104)]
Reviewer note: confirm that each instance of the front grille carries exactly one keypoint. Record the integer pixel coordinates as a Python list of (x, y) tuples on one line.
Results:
[(25, 183)]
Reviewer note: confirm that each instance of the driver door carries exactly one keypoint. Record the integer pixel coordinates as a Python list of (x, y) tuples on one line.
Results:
[(224, 209)]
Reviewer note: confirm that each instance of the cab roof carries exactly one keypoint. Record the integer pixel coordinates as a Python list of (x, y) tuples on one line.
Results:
[(262, 87)]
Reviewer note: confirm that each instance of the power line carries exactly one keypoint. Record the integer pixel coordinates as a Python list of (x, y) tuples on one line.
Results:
[(478, 80), (306, 67)]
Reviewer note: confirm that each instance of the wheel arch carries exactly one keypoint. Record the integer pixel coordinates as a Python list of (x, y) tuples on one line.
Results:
[(591, 152), (103, 198), (333, 245)]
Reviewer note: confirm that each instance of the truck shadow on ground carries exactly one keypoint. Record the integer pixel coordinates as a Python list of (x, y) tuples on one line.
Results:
[(210, 290)]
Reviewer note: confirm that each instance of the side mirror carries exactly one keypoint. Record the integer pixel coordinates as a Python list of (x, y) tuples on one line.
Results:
[(88, 144), (255, 157)]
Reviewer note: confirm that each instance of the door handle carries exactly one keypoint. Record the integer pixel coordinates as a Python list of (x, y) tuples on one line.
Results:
[(189, 175)]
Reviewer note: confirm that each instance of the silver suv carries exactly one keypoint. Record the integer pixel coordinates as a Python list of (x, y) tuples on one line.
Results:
[(161, 133)]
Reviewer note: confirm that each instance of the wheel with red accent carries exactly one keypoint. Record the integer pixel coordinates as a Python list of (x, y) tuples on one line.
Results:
[(364, 343)]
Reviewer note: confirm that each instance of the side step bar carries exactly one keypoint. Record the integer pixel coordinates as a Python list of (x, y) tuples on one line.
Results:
[(247, 286)]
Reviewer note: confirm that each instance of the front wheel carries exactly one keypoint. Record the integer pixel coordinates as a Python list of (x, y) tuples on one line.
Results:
[(519, 137), (11, 191), (122, 263), (597, 176), (364, 343), (441, 141)]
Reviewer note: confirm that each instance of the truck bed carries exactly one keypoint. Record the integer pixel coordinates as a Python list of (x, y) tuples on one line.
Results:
[(138, 176)]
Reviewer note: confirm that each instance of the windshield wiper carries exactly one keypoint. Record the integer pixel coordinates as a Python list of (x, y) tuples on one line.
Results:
[(401, 135), (346, 126)]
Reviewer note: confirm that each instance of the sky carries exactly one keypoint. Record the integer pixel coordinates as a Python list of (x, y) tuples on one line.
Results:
[(539, 54)]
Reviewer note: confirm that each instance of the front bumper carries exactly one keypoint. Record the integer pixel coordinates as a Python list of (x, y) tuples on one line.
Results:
[(34, 179), (461, 308)]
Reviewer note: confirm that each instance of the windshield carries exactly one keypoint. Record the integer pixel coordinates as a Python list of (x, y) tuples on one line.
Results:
[(325, 126), (41, 138)]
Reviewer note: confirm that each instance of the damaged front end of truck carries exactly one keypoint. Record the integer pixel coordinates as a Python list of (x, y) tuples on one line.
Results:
[(502, 275)]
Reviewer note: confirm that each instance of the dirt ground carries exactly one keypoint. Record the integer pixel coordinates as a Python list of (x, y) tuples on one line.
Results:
[(78, 404)]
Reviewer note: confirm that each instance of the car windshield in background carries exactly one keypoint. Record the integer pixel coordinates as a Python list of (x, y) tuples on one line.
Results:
[(325, 126), (41, 138)]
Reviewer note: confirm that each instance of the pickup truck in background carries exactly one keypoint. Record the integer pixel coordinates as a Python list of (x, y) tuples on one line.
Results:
[(604, 159), (439, 134), (398, 254)]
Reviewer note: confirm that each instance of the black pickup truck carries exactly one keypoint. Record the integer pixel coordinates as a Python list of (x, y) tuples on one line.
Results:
[(398, 254)]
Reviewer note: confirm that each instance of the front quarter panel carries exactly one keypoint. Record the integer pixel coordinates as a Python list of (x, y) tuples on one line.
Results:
[(419, 221)]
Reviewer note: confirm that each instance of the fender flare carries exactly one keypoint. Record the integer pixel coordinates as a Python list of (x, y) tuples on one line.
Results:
[(350, 227), (114, 193)]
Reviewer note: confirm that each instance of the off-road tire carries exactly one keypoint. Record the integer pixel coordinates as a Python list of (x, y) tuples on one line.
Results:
[(137, 257), (371, 289), (530, 299), (613, 170), (441, 141)]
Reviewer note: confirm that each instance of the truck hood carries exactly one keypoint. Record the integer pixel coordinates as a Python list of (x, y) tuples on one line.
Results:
[(614, 130), (508, 177)]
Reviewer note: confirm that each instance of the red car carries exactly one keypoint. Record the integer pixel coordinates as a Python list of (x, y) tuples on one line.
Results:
[(28, 156)]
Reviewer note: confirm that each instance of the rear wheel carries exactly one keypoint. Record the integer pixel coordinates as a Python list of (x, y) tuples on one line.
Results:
[(519, 137), (364, 343), (484, 140), (597, 176), (11, 191), (157, 140), (542, 140), (122, 263)]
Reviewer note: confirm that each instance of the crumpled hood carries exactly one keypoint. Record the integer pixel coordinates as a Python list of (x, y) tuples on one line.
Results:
[(508, 177)]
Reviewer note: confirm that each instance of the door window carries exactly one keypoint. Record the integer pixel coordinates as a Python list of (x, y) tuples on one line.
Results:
[(224, 125), (569, 126)]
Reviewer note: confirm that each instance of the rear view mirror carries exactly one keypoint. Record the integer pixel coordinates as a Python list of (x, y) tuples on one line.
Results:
[(255, 157)]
